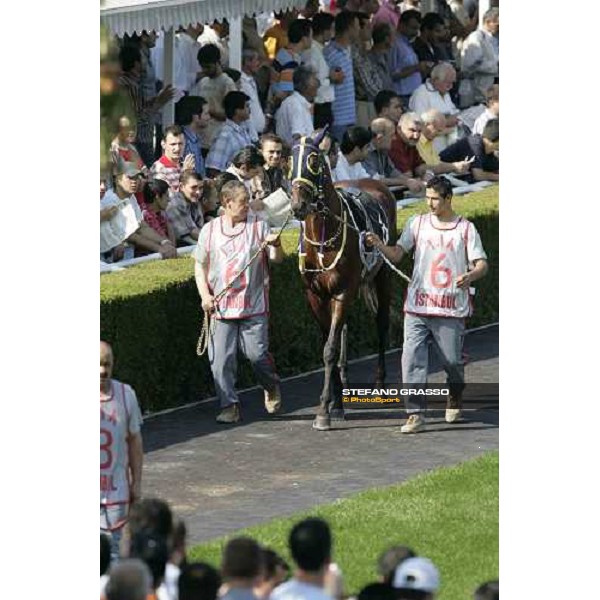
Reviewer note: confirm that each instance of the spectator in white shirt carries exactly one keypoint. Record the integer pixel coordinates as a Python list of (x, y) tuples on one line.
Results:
[(323, 31), (491, 112), (435, 93), (294, 117), (186, 63), (125, 222), (250, 65), (353, 150), (479, 59)]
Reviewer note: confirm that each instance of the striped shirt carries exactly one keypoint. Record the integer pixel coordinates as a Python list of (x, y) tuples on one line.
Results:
[(231, 139), (144, 112), (367, 80), (402, 55), (165, 169), (344, 105)]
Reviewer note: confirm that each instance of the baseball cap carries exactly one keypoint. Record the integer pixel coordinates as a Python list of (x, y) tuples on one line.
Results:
[(127, 168), (417, 573)]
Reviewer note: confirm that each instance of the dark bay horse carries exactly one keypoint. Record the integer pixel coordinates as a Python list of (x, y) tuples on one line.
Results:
[(331, 266)]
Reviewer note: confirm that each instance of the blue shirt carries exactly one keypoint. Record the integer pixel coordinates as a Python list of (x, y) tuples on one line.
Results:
[(231, 139), (192, 146), (284, 65), (401, 56), (344, 104)]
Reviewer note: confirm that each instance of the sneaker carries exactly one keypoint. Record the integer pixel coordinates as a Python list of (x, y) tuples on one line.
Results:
[(230, 414), (453, 408), (273, 400), (414, 424), (453, 415)]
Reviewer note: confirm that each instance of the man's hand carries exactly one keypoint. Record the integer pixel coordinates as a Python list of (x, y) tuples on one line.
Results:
[(451, 121), (165, 95), (415, 185), (273, 239), (168, 250), (463, 166), (464, 281), (118, 252), (336, 75), (189, 163), (372, 239), (208, 303)]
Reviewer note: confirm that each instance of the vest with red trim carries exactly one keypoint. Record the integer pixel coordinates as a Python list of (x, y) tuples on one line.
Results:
[(440, 257), (227, 256), (114, 453)]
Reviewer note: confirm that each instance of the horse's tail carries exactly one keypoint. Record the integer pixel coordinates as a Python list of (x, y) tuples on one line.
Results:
[(369, 294)]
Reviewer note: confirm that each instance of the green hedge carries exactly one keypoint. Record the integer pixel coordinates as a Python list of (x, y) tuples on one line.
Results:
[(151, 315)]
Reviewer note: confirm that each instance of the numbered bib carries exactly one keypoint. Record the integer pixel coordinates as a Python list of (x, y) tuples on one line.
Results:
[(440, 258)]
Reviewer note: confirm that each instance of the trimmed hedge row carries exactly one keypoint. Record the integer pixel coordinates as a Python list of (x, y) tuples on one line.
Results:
[(151, 315)]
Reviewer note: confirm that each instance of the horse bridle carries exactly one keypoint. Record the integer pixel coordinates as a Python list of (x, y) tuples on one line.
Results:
[(313, 162)]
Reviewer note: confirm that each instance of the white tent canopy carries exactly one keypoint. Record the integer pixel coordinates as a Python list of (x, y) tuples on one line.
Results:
[(130, 16)]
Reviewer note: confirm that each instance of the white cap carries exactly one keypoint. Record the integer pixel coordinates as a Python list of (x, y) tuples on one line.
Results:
[(417, 573)]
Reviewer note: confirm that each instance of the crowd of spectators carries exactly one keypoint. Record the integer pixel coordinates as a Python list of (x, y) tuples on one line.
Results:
[(404, 96), (154, 566)]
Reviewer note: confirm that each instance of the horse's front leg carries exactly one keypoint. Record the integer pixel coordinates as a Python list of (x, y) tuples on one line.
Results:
[(331, 381)]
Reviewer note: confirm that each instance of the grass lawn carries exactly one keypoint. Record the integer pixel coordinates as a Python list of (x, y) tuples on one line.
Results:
[(449, 515)]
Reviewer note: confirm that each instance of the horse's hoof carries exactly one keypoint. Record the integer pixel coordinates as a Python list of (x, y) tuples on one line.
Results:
[(337, 414), (322, 423)]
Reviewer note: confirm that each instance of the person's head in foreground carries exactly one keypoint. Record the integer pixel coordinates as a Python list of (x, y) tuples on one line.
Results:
[(241, 566), (377, 591), (130, 579), (416, 579), (235, 201), (310, 543), (388, 562), (274, 572), (490, 590), (198, 581)]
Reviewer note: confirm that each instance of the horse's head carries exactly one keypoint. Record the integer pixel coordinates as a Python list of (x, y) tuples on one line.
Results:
[(308, 172)]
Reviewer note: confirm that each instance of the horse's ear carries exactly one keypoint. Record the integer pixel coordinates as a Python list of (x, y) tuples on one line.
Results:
[(319, 137)]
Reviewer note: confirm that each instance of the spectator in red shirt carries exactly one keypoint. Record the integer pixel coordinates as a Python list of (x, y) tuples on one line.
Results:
[(404, 153), (156, 199), (170, 165)]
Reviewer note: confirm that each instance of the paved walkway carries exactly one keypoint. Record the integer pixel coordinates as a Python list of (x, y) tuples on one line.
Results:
[(222, 478)]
